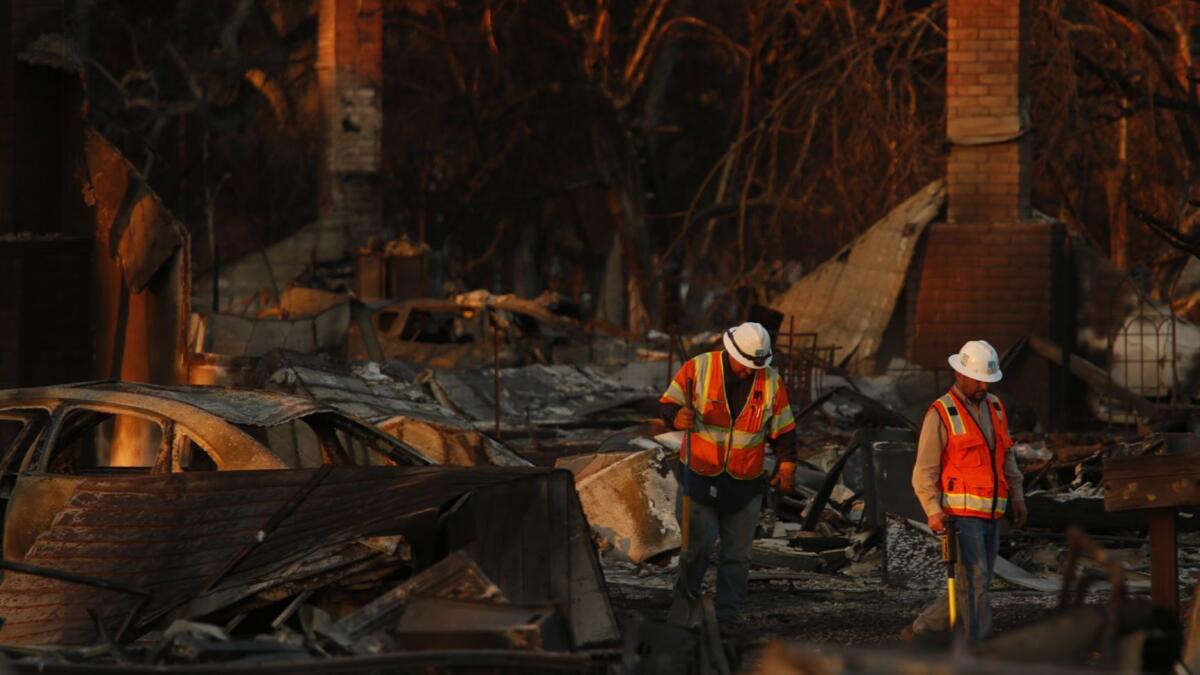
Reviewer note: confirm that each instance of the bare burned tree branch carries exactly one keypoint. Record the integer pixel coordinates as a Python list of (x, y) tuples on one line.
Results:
[(1169, 234)]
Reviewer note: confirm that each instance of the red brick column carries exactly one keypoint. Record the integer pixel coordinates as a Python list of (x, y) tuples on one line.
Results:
[(986, 71), (987, 281), (350, 78), (990, 272)]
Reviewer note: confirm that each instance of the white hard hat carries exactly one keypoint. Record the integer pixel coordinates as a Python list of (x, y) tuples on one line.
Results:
[(749, 344), (977, 360)]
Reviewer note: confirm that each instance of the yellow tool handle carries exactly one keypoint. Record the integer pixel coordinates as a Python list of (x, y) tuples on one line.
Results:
[(949, 541), (953, 602)]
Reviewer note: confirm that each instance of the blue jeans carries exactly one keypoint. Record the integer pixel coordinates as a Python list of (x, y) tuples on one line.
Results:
[(736, 532), (978, 545)]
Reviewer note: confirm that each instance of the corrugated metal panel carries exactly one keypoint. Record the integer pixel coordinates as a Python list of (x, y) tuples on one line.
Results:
[(398, 408), (850, 298), (179, 535), (534, 541), (545, 395)]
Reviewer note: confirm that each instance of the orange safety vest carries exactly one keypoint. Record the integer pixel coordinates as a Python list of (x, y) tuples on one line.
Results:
[(736, 447), (973, 482)]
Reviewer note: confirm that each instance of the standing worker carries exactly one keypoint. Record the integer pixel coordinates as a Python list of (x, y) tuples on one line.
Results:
[(966, 478), (728, 404)]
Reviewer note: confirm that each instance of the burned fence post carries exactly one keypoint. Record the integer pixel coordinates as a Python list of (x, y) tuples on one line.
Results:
[(1164, 558)]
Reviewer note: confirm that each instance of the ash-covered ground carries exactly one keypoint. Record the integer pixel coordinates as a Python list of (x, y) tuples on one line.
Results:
[(835, 609)]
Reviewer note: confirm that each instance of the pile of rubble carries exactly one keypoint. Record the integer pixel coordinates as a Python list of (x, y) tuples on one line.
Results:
[(486, 558), (268, 567), (489, 556)]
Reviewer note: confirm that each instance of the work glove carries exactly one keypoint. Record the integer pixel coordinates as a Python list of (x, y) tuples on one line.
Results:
[(785, 477), (685, 419), (937, 522)]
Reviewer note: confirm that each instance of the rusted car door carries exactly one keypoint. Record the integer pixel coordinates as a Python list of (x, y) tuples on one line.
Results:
[(81, 441)]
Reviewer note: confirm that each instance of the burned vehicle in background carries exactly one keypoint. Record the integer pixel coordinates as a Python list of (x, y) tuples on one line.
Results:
[(477, 329)]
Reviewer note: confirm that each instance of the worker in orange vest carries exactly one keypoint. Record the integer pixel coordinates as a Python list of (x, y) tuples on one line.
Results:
[(729, 403), (966, 478)]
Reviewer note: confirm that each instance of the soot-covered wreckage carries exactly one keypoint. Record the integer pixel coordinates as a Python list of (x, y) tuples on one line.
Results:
[(342, 470)]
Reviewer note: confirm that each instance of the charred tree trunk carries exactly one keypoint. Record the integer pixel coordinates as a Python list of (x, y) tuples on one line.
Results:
[(619, 165)]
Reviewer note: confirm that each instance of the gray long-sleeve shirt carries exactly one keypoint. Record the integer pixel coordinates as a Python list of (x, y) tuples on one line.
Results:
[(927, 474)]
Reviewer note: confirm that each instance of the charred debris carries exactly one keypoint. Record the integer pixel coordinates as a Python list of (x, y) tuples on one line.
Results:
[(306, 510), (308, 434)]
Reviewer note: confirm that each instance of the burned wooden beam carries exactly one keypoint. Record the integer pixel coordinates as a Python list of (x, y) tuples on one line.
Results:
[(1092, 375), (1152, 481)]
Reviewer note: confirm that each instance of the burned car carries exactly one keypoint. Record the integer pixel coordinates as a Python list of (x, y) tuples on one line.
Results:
[(55, 437), (435, 333), (131, 506)]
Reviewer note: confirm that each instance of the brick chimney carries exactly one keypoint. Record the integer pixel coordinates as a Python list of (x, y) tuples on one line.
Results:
[(986, 113), (350, 80), (990, 271)]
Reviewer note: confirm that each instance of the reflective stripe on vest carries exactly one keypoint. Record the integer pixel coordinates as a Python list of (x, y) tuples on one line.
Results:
[(966, 504), (951, 412)]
